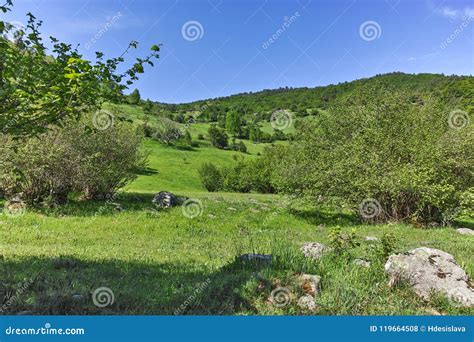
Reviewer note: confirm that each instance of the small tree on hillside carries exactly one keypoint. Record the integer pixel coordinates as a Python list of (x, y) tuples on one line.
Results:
[(134, 98), (218, 137), (167, 131), (233, 124)]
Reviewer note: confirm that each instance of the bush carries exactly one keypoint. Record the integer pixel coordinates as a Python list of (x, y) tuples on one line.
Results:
[(210, 176), (279, 135), (218, 137), (109, 159), (200, 136), (39, 168), (244, 176), (378, 144), (167, 131), (238, 146), (75, 157)]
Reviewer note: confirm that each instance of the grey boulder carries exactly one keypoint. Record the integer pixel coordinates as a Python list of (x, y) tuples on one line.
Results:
[(465, 231), (314, 250), (166, 199), (430, 270)]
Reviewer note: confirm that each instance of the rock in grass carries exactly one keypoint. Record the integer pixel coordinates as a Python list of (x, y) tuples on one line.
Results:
[(310, 284), (307, 302), (257, 258), (371, 238), (362, 263), (465, 231), (314, 250), (77, 297), (430, 270), (165, 199)]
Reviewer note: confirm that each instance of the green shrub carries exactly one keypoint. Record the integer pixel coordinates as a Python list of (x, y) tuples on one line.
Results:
[(39, 168), (341, 242), (238, 146), (378, 144), (248, 175), (75, 157), (167, 131), (218, 137), (210, 176), (109, 158)]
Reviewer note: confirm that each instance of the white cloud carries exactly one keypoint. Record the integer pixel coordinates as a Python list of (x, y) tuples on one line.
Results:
[(449, 12), (454, 13)]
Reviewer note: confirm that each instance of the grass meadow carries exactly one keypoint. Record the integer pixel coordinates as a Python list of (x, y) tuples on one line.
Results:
[(163, 262)]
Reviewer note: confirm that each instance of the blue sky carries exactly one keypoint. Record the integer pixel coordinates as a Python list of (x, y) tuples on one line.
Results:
[(236, 46)]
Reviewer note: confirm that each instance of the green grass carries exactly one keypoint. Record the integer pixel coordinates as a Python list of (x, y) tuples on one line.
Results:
[(154, 261), (157, 262), (172, 168)]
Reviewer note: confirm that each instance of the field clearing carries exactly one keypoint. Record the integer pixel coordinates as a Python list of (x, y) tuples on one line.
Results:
[(153, 261)]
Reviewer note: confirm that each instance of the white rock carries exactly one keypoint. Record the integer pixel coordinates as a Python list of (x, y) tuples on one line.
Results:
[(465, 231), (314, 250), (371, 238), (362, 263), (430, 270), (311, 284), (307, 302)]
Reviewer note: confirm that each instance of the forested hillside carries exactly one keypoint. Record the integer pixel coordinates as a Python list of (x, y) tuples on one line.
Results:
[(307, 101)]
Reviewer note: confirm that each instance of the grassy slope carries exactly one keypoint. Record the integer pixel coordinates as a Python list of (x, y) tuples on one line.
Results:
[(154, 261)]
